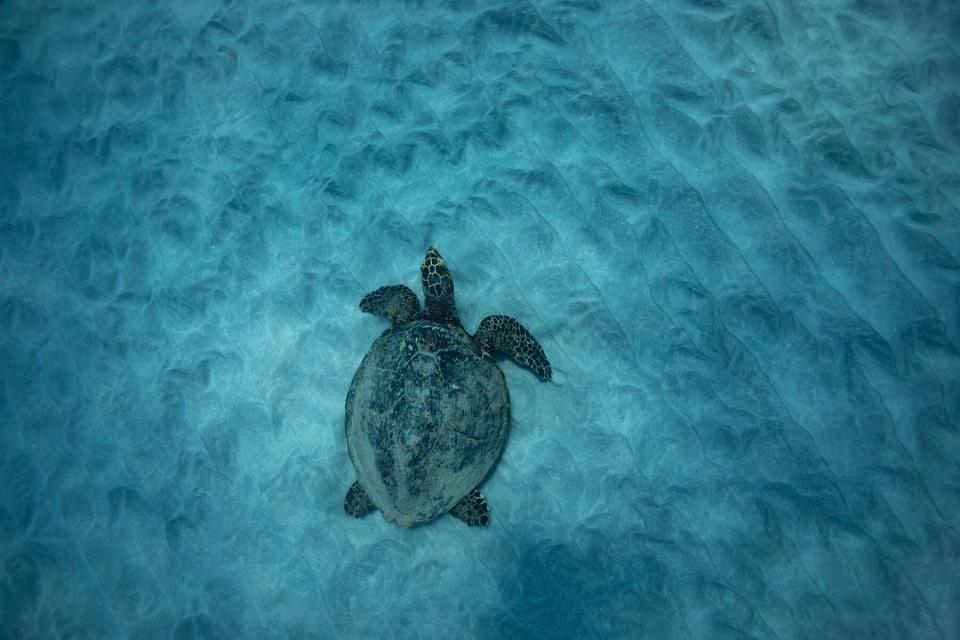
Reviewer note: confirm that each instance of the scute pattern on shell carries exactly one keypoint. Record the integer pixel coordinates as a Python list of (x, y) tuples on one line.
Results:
[(427, 416)]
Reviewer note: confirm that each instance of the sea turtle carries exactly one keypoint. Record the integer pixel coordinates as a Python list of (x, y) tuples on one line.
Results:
[(427, 412)]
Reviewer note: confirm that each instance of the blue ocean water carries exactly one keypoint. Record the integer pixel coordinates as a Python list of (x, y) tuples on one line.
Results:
[(732, 225)]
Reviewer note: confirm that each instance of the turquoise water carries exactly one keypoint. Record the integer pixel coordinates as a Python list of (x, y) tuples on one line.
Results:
[(732, 225)]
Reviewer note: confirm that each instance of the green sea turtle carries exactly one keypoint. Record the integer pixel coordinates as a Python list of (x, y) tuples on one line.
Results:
[(428, 410)]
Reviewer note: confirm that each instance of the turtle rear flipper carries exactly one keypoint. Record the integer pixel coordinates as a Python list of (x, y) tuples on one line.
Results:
[(357, 502), (505, 335), (396, 301), (472, 509)]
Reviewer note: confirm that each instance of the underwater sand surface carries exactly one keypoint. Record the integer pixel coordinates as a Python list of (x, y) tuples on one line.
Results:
[(732, 225)]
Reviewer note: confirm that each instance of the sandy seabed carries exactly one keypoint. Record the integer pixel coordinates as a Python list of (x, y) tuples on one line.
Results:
[(732, 225)]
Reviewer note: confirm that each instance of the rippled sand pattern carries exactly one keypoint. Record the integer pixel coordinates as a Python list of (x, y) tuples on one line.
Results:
[(732, 225)]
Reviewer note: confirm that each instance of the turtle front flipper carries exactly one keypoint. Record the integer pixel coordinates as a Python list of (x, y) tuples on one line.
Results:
[(357, 502), (396, 301), (505, 335), (472, 509)]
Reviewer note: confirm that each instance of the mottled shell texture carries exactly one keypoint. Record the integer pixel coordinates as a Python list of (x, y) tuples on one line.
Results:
[(427, 416)]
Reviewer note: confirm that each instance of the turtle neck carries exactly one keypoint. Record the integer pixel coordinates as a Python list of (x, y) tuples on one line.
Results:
[(442, 309)]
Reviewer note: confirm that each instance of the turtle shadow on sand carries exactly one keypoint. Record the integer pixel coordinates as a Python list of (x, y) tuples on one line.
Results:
[(428, 411)]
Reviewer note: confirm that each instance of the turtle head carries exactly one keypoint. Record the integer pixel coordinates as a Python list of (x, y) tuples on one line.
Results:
[(437, 286), (437, 283)]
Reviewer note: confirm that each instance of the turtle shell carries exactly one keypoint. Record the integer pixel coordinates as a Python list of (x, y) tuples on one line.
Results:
[(427, 416)]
